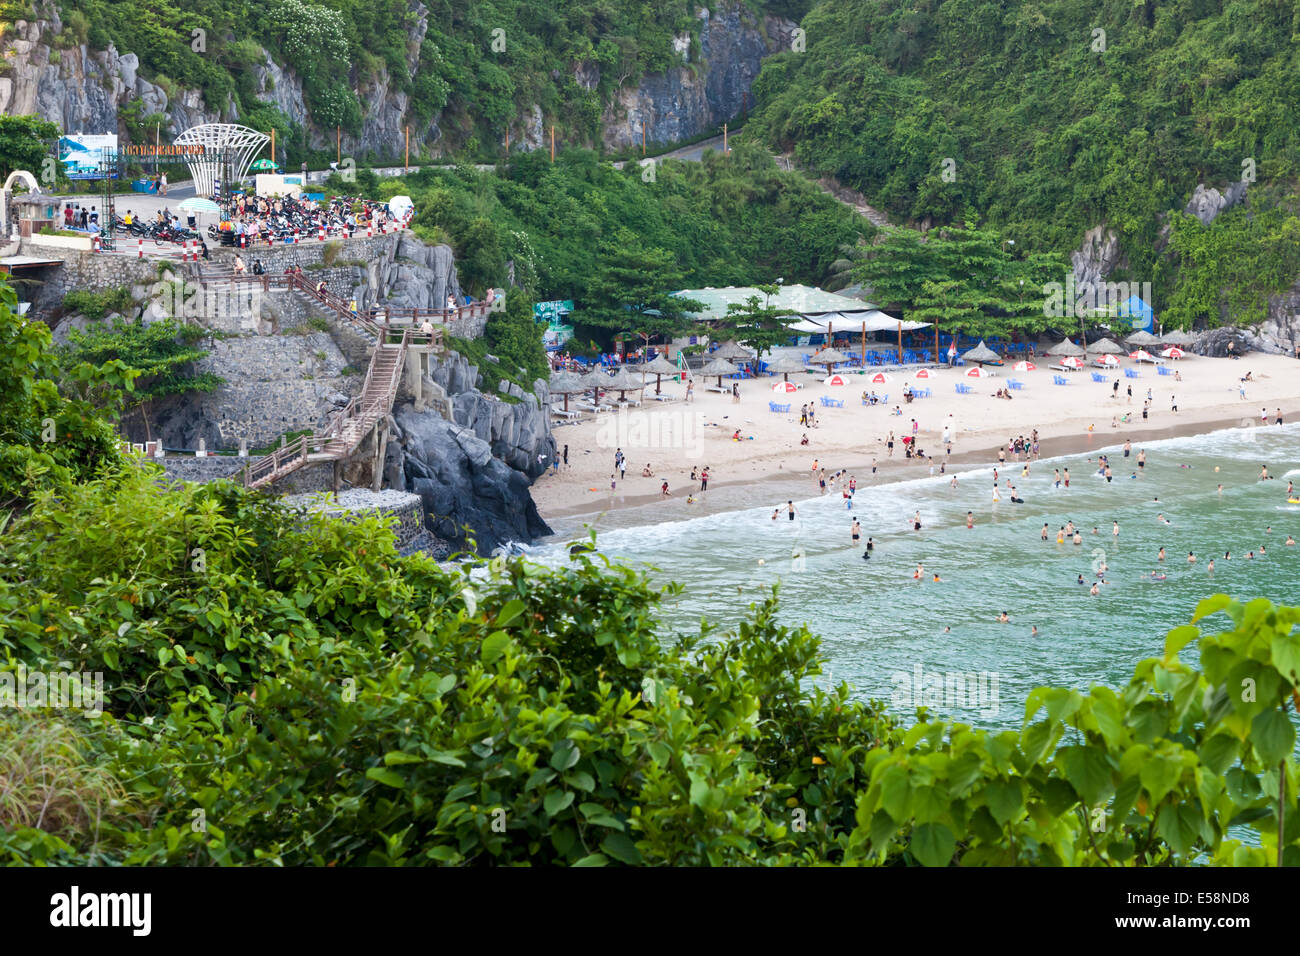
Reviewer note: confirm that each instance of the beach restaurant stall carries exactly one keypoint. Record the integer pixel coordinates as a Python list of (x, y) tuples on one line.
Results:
[(814, 312)]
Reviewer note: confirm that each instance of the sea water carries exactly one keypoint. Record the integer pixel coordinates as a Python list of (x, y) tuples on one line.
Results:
[(883, 631)]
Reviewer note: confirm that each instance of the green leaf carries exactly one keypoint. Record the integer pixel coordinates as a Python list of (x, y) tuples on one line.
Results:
[(557, 800), (1219, 752), (1088, 771), (384, 776), (894, 790), (1179, 638), (1179, 826), (933, 844), (621, 847), (1211, 605), (1004, 798), (399, 757), (507, 615), (565, 755), (581, 780), (1160, 774), (1272, 735), (1286, 656), (494, 645), (595, 859)]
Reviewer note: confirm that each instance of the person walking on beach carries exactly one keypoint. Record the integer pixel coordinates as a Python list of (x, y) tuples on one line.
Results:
[(690, 391), (566, 457), (890, 444), (612, 484), (704, 479), (803, 415), (1146, 408), (1129, 389), (790, 505), (1279, 416), (1173, 401)]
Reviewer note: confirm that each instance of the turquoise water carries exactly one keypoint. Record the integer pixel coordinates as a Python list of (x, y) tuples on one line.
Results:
[(878, 624)]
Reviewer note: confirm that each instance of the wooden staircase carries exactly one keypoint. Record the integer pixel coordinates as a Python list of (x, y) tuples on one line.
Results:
[(393, 331)]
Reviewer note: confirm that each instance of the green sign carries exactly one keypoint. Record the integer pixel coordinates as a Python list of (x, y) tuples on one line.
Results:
[(552, 310)]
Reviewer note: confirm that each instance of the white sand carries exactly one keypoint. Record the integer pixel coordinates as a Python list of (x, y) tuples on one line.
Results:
[(674, 436)]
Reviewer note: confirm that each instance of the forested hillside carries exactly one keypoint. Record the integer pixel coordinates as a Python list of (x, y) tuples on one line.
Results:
[(1045, 119), (484, 63)]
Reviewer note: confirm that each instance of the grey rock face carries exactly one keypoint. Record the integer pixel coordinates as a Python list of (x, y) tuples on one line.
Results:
[(1096, 257), (690, 99), (466, 492), (1207, 202)]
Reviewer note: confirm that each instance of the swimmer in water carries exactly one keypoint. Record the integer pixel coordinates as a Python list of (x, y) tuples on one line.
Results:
[(1043, 535), (936, 579), (1227, 556), (1261, 549), (1078, 538), (1210, 567), (1220, 491), (1034, 632), (871, 546), (1115, 530), (1191, 558), (1094, 590), (1060, 536), (1156, 575), (970, 520), (919, 571), (1162, 519), (1081, 580), (775, 512), (1003, 618), (1094, 530), (1251, 555), (1290, 541), (1161, 555), (856, 531), (947, 629)]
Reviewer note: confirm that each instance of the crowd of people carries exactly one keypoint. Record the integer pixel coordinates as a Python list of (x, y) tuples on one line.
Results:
[(256, 219)]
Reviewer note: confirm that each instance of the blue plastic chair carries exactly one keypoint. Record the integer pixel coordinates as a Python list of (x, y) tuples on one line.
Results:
[(1132, 373)]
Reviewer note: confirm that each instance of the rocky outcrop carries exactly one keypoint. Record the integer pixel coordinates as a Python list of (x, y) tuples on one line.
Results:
[(418, 276), (518, 433), (81, 89), (466, 492), (1207, 202), (1097, 256), (696, 97)]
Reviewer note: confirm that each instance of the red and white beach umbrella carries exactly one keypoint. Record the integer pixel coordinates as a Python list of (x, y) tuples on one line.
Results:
[(1072, 361), (880, 378), (1025, 366), (1173, 352), (977, 372), (927, 373), (1107, 360), (785, 387), (1141, 355), (835, 380)]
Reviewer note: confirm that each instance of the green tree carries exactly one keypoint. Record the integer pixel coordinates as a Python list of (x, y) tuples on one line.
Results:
[(632, 288), (757, 323), (160, 356), (24, 144), (513, 335)]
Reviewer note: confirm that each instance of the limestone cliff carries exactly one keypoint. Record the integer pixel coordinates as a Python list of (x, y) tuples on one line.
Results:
[(82, 89)]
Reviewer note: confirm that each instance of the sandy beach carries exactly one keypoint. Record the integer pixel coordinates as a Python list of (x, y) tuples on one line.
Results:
[(769, 464)]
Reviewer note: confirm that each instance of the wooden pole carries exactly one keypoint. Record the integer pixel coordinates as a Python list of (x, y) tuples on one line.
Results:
[(566, 398), (864, 341), (272, 144), (936, 340), (338, 144), (157, 132), (552, 142), (724, 139), (643, 138), (900, 341), (406, 161)]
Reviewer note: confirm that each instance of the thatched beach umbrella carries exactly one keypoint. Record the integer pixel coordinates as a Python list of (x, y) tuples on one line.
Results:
[(1176, 337), (733, 352), (828, 357), (785, 365), (566, 384), (1066, 347), (981, 354), (659, 367), (1141, 339), (1106, 347), (718, 367), (595, 379), (625, 382)]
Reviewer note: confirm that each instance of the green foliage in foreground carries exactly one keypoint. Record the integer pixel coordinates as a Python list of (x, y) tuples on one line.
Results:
[(282, 688)]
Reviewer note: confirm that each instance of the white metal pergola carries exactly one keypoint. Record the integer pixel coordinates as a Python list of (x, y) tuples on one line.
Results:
[(227, 144)]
